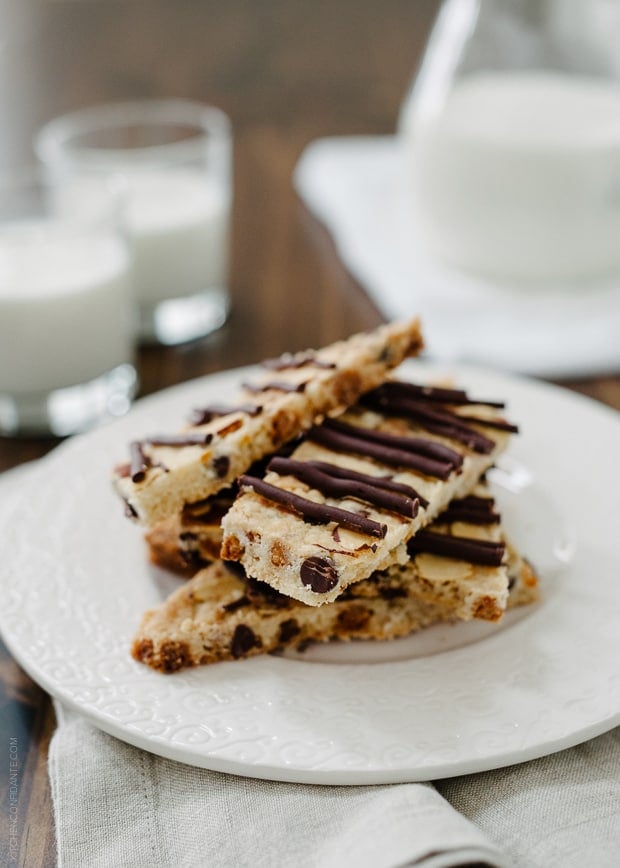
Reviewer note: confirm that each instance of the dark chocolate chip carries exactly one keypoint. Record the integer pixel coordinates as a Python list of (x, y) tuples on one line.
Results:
[(221, 465), (243, 640), (392, 593), (262, 594), (236, 569), (239, 603), (288, 630), (192, 559), (319, 574)]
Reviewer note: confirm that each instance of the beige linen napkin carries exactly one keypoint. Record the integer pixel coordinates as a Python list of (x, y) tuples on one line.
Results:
[(117, 805), (562, 810)]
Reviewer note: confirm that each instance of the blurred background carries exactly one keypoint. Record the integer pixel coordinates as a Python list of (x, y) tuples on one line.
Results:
[(285, 71), (288, 73)]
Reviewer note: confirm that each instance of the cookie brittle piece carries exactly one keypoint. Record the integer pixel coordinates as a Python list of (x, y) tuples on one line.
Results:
[(189, 543), (167, 471), (220, 615), (358, 488)]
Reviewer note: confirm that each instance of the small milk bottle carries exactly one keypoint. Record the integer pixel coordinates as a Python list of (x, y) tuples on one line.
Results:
[(511, 141)]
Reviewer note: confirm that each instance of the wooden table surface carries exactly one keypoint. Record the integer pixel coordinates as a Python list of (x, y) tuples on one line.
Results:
[(287, 72)]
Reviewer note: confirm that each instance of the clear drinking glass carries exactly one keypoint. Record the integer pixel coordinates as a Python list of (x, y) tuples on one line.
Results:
[(511, 131), (173, 158), (66, 315)]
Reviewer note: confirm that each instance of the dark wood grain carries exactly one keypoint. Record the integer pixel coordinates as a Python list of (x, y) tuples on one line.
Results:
[(287, 72)]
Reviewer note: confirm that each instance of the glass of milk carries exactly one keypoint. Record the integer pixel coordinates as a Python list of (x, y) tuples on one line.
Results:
[(173, 159), (511, 141), (66, 314)]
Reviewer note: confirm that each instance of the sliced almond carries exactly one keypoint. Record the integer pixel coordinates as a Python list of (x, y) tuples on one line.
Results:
[(440, 569), (474, 531)]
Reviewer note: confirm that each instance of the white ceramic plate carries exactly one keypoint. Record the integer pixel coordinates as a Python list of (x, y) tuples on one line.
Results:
[(449, 701)]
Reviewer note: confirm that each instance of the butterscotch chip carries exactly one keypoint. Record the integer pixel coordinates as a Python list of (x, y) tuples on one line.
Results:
[(354, 618), (488, 610), (348, 388), (232, 549), (284, 426), (279, 554)]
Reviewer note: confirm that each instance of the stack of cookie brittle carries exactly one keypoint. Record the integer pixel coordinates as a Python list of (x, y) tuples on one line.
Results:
[(364, 516)]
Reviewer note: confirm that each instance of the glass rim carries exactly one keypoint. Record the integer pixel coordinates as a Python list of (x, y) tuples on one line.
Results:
[(27, 193), (54, 139)]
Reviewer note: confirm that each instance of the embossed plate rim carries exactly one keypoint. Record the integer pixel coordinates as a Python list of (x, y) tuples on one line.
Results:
[(543, 684)]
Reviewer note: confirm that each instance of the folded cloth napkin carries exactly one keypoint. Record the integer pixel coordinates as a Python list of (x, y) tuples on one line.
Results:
[(357, 187), (117, 805)]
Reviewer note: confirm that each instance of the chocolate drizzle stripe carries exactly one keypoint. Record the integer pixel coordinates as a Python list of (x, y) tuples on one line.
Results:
[(179, 439), (288, 361), (472, 510), (320, 478), (476, 501), (357, 444), (474, 551), (468, 515), (384, 482), (499, 424), (419, 445), (309, 510), (275, 386), (139, 462), (436, 394), (440, 422), (202, 415)]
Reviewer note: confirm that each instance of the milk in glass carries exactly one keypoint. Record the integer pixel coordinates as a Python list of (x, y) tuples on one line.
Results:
[(65, 314), (517, 174), (177, 222)]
